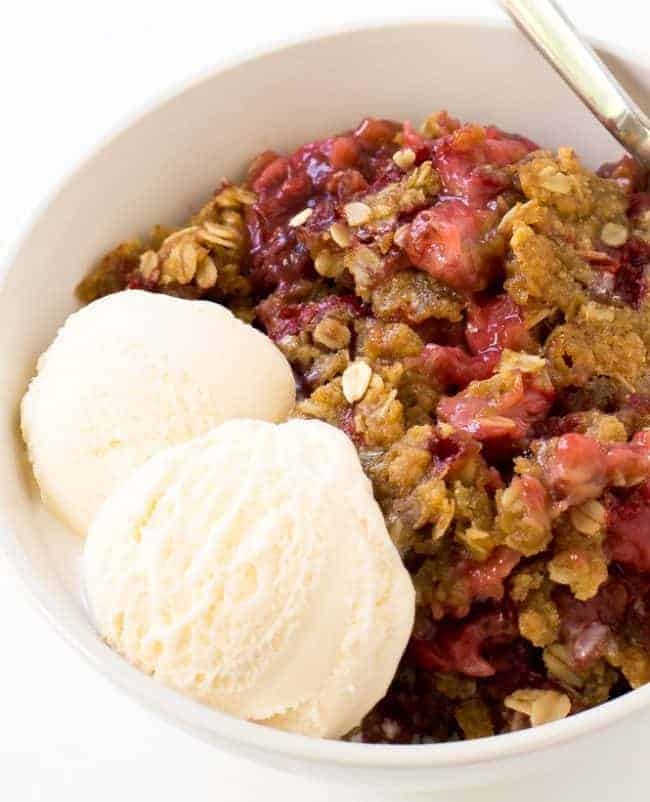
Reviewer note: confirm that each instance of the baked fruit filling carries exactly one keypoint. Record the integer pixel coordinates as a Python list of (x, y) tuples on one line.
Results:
[(472, 311)]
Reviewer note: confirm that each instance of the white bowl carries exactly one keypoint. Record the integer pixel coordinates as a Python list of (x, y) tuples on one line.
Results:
[(158, 169)]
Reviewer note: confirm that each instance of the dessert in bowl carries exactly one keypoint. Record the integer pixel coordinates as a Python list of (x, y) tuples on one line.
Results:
[(467, 309)]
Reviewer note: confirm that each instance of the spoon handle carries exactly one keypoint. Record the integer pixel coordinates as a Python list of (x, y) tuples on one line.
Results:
[(553, 34)]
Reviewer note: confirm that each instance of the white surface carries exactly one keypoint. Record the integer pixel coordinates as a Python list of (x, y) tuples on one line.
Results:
[(70, 70)]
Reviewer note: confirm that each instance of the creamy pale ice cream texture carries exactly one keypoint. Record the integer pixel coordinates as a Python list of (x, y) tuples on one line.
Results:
[(131, 374), (251, 568)]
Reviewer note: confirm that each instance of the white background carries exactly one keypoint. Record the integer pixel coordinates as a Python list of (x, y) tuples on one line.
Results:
[(68, 71)]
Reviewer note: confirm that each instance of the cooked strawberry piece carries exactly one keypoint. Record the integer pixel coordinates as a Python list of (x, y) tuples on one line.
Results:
[(530, 512), (259, 164), (283, 188), (534, 496), (503, 410), (578, 468), (452, 454), (373, 133), (620, 272), (276, 256), (490, 328), (485, 579), (269, 172), (455, 454), (589, 643), (470, 161), (447, 365), (629, 463), (375, 139), (574, 467), (481, 581), (281, 318), (293, 193), (421, 145), (621, 607), (458, 646), (342, 151), (468, 414), (313, 160), (457, 156), (587, 627), (607, 606), (321, 159), (446, 241), (625, 171), (496, 325), (503, 147), (344, 184), (628, 538)]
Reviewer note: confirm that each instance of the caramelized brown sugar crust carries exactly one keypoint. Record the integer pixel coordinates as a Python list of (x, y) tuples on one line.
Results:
[(472, 311)]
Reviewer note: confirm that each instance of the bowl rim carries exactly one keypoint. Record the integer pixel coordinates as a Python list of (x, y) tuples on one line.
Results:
[(191, 716)]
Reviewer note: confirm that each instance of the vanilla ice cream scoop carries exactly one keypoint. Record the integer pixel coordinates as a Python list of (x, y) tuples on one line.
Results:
[(251, 569), (131, 374)]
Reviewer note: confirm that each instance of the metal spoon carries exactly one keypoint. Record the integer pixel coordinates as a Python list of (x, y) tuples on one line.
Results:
[(553, 34)]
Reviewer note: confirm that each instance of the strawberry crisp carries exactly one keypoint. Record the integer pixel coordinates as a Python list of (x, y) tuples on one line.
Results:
[(471, 310)]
